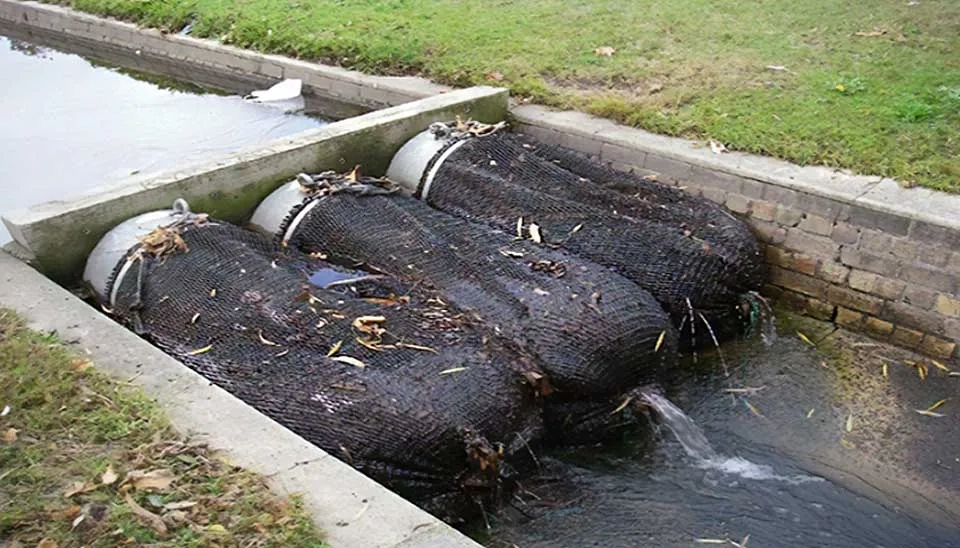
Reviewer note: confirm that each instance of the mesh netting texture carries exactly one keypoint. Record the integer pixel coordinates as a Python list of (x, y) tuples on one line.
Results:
[(596, 334), (413, 396), (700, 263)]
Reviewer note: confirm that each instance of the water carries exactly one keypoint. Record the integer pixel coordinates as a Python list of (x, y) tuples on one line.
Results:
[(711, 468), (326, 276), (696, 445), (70, 125)]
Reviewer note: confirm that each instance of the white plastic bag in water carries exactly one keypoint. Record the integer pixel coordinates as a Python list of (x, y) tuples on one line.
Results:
[(286, 95)]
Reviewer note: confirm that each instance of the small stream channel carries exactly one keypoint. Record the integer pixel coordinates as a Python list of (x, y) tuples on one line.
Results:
[(71, 123), (714, 470)]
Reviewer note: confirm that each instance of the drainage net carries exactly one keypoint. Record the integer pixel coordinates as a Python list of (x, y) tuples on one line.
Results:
[(700, 263), (413, 396), (596, 334)]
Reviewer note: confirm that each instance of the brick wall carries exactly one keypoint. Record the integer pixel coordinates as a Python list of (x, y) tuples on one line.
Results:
[(865, 270), (831, 255)]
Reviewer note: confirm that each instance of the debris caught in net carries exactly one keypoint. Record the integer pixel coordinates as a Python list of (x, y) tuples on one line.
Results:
[(415, 396), (596, 334), (679, 248)]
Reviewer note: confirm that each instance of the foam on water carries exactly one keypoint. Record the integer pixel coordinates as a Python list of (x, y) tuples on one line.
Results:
[(696, 445)]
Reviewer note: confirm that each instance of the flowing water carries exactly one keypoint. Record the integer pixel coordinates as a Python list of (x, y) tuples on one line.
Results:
[(71, 124), (792, 449)]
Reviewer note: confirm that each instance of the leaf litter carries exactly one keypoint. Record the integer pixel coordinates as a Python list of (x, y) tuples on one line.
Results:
[(174, 488)]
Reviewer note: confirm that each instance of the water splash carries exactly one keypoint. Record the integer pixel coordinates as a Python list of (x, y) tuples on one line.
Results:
[(761, 314), (698, 447)]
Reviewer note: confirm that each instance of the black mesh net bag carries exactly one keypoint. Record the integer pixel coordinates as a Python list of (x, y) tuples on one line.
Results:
[(700, 263), (413, 396), (595, 334)]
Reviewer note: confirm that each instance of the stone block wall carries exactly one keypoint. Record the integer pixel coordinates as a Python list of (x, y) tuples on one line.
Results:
[(836, 248), (866, 270)]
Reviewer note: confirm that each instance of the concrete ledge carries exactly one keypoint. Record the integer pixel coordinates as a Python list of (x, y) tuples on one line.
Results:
[(325, 81), (675, 158), (232, 188), (353, 510)]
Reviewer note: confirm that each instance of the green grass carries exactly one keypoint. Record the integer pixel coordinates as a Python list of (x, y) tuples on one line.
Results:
[(68, 429), (886, 104)]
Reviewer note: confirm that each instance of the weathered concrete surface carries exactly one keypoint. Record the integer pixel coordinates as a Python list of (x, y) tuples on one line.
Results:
[(325, 81), (61, 234), (355, 511)]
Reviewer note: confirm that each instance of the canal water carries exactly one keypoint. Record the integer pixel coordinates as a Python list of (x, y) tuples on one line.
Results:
[(70, 124), (830, 452)]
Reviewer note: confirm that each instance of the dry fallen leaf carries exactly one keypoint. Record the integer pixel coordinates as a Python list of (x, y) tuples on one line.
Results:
[(217, 529), (535, 233), (109, 476), (753, 408), (10, 435), (47, 543), (848, 426), (805, 338), (335, 348), (347, 359), (155, 479), (153, 520), (264, 340), (417, 347), (936, 405), (872, 33), (940, 366), (79, 487), (929, 413), (623, 405), (494, 76), (660, 340), (453, 370), (199, 351), (605, 51)]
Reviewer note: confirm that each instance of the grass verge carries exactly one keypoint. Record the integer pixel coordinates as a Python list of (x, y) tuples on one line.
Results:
[(89, 461), (870, 86)]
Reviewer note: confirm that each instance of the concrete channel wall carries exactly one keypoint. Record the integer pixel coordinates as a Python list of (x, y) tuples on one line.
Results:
[(61, 234)]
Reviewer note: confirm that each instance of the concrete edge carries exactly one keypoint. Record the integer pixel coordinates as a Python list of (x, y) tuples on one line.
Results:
[(232, 187), (353, 510), (323, 80), (629, 147)]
